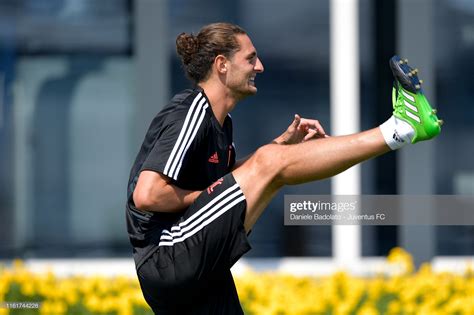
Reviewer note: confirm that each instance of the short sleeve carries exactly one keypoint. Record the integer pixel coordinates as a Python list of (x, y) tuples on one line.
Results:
[(175, 139)]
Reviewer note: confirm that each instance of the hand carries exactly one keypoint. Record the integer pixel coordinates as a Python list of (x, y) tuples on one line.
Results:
[(301, 130)]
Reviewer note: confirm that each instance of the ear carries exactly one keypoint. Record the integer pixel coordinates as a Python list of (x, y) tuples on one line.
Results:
[(221, 64)]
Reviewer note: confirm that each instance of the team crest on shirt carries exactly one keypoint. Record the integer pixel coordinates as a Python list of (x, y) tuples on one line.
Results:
[(210, 189), (214, 158)]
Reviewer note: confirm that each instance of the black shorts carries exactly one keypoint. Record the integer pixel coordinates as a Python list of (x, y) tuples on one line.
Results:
[(189, 273)]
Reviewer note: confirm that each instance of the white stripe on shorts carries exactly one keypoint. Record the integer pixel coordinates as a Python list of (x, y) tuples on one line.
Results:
[(202, 218)]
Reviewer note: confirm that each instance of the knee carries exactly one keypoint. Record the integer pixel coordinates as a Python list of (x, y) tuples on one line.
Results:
[(269, 160)]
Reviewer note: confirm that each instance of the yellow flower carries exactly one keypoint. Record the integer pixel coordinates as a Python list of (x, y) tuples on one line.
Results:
[(92, 302), (398, 257), (28, 289), (368, 309), (403, 292)]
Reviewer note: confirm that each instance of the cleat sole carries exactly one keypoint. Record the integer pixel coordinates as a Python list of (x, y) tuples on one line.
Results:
[(409, 102)]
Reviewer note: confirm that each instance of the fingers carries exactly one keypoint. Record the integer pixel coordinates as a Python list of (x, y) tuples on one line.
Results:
[(294, 124), (312, 133), (312, 124), (302, 129), (296, 121)]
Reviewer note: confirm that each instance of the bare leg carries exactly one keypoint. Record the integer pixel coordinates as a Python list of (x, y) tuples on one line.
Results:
[(273, 166)]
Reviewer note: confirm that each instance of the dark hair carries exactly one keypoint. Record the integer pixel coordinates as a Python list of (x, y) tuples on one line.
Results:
[(198, 52)]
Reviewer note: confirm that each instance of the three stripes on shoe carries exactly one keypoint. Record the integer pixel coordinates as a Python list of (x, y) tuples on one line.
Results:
[(412, 107)]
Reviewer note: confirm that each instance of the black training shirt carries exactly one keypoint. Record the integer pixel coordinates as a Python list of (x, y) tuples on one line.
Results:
[(186, 143)]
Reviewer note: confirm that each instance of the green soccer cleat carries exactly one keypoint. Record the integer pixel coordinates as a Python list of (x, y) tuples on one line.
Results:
[(409, 102)]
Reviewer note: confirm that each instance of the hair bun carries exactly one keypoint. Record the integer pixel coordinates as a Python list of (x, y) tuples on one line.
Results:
[(186, 46)]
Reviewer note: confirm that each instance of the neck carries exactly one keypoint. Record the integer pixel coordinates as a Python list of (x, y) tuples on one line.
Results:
[(222, 101)]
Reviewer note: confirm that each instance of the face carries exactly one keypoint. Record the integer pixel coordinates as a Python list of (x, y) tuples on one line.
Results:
[(243, 68)]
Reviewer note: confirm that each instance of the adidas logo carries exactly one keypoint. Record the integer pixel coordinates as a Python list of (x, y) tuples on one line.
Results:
[(214, 158), (413, 109), (397, 137)]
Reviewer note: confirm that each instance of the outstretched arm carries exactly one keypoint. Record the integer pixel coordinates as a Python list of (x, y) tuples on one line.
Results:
[(155, 192)]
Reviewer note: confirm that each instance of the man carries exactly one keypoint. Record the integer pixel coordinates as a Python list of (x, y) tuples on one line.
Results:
[(191, 205)]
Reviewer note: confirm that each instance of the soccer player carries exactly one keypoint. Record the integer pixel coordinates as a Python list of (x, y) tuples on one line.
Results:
[(191, 205)]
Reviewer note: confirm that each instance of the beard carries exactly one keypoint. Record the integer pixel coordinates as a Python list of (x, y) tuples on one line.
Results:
[(245, 89)]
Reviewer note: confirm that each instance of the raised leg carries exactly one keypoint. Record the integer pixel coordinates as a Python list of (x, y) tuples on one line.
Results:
[(273, 166)]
